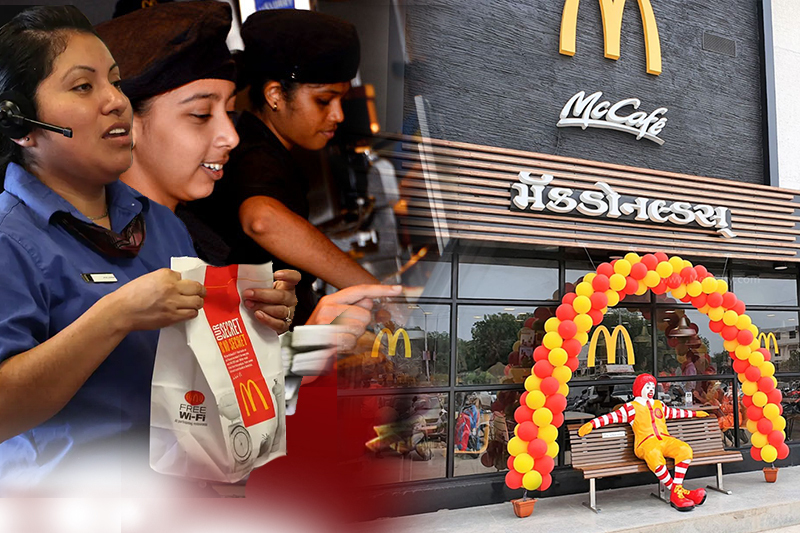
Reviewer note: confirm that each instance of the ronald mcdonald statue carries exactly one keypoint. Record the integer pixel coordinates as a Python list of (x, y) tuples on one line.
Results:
[(647, 418)]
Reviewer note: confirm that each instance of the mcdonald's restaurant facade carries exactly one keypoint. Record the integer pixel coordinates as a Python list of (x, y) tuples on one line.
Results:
[(533, 141)]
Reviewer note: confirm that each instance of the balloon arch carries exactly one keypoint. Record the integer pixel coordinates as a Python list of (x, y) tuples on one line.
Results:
[(540, 414)]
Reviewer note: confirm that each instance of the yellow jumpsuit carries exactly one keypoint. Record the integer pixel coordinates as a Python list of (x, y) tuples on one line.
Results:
[(652, 440)]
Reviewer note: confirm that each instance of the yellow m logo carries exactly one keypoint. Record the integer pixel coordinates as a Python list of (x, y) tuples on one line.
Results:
[(247, 394), (612, 30), (765, 338), (393, 338), (611, 344)]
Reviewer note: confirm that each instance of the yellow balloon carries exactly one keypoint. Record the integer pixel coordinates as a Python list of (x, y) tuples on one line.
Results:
[(730, 318), (664, 269), (778, 423), (774, 381), (552, 449), (632, 258), (709, 285), (542, 416), (552, 340), (651, 279), (532, 480), (744, 322), (516, 346), (759, 399), (584, 289), (523, 463), (759, 440), (730, 346), (617, 282), (582, 337), (742, 352), (583, 322), (694, 289), (771, 412), (563, 389), (613, 297), (749, 388), (582, 304), (641, 289), (677, 263), (767, 369), (769, 453), (535, 399), (562, 374), (517, 446), (705, 309), (533, 383), (679, 291), (687, 264), (558, 357), (753, 329), (752, 426), (590, 277), (547, 433), (622, 267), (722, 286), (756, 359), (551, 324), (715, 313), (741, 377)]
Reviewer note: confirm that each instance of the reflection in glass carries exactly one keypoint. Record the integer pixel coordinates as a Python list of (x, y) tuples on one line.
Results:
[(432, 276), (682, 354), (511, 279), (780, 337), (484, 423), (765, 288), (791, 407), (621, 324)]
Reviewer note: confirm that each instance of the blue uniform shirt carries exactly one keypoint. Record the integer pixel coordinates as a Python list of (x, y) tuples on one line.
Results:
[(42, 291)]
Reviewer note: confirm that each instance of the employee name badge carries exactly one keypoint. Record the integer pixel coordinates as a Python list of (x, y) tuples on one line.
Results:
[(99, 277)]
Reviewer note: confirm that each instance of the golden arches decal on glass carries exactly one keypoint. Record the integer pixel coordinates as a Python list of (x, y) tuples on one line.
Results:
[(392, 342), (765, 338), (611, 345)]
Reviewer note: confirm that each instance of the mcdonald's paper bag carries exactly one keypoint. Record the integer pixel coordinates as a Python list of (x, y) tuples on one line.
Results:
[(217, 407)]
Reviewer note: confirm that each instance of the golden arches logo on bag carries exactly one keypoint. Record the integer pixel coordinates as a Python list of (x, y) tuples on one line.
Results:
[(611, 344), (766, 338), (612, 11), (392, 342), (247, 394)]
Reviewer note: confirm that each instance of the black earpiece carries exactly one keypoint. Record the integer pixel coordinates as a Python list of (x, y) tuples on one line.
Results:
[(15, 123)]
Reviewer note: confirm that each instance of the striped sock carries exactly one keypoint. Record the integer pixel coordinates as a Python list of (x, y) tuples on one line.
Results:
[(680, 471), (663, 476)]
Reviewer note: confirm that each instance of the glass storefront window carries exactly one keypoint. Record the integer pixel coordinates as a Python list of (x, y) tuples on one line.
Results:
[(393, 438), (495, 344), (791, 406), (681, 352), (509, 279), (780, 329), (427, 328), (429, 278), (622, 324), (765, 288)]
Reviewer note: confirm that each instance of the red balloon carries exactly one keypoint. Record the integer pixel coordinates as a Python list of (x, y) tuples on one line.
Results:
[(700, 301), (572, 347), (513, 359), (755, 413), (537, 448), (729, 300), (765, 353), (650, 261), (567, 329), (661, 257), (510, 463), (565, 312), (596, 315), (547, 479), (638, 271), (674, 281), (549, 385), (513, 479), (714, 299), (752, 373), (701, 271), (605, 269), (775, 438), (631, 285), (556, 403), (775, 396), (766, 385), (600, 283), (672, 341), (599, 300), (755, 453), (741, 365), (716, 326), (783, 451), (569, 298), (529, 431), (739, 307), (529, 322), (661, 288), (523, 413), (543, 369), (544, 465), (686, 299), (540, 353), (688, 274), (558, 419), (747, 401), (745, 337), (729, 333), (573, 363), (764, 426)]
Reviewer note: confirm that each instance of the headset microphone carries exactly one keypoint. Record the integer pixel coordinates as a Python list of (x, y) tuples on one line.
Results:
[(14, 122)]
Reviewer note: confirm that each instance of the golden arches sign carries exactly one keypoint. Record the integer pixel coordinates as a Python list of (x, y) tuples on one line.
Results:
[(765, 338), (611, 344), (392, 342), (611, 11)]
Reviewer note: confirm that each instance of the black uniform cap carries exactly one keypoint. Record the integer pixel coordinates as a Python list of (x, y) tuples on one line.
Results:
[(298, 45), (163, 47)]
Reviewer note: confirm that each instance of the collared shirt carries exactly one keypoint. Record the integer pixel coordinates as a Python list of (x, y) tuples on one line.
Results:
[(43, 291)]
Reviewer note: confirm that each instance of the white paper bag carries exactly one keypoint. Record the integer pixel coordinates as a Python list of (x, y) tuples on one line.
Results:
[(217, 408)]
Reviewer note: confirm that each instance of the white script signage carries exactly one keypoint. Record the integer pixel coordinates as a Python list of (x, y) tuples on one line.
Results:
[(589, 112), (536, 194)]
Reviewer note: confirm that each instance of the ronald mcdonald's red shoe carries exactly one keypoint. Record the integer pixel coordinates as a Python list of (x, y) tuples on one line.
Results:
[(679, 499), (698, 496)]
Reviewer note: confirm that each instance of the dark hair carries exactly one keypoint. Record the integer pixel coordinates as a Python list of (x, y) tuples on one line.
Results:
[(29, 45), (257, 81)]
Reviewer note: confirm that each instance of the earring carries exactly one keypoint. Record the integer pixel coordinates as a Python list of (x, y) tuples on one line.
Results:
[(275, 106), (27, 138)]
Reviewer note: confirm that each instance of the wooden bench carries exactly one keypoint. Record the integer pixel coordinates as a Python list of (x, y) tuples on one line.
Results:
[(608, 451)]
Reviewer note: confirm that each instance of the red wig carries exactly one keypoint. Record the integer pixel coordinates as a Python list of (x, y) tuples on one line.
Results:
[(640, 382)]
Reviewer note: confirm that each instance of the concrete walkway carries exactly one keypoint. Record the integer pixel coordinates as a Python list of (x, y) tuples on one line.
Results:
[(754, 506)]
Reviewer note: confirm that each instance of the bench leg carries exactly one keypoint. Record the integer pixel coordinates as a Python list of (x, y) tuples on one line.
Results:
[(719, 488), (592, 504), (663, 494)]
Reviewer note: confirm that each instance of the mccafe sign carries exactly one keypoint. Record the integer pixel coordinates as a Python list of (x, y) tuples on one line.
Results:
[(535, 194)]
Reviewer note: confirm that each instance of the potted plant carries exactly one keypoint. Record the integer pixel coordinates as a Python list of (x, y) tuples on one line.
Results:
[(770, 473), (523, 507)]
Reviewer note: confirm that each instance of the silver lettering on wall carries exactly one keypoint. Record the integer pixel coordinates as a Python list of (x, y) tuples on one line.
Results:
[(588, 112), (535, 194)]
